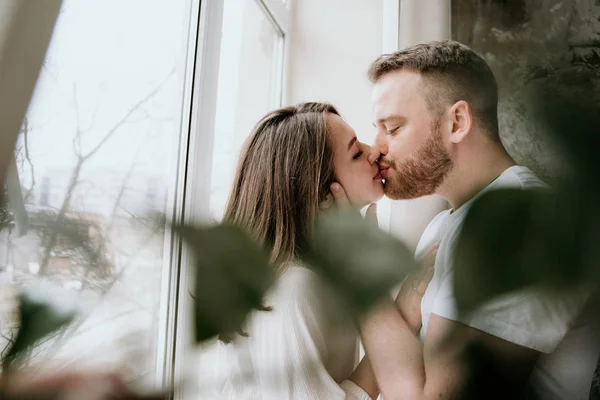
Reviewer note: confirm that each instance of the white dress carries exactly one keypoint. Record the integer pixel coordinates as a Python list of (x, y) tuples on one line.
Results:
[(305, 348)]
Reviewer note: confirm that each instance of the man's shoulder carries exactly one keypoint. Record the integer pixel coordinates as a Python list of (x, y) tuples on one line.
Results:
[(515, 177), (445, 227), (521, 177), (432, 233)]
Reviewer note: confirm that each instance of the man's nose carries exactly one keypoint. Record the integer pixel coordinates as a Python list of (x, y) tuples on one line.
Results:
[(378, 149)]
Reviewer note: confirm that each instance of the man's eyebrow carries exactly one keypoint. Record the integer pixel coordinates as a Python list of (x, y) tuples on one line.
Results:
[(387, 119)]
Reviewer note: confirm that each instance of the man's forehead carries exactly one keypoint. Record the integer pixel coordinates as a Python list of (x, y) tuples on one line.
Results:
[(394, 89), (395, 81)]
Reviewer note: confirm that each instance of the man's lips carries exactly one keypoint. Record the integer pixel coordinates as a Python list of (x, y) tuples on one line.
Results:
[(383, 170)]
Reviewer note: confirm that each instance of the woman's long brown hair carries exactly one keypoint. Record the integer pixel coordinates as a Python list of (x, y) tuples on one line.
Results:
[(283, 174)]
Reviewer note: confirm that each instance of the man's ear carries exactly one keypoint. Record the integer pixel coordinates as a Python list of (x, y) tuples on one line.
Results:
[(460, 121), (327, 203)]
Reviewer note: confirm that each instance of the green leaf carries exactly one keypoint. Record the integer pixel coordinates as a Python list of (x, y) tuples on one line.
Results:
[(572, 120), (40, 317), (232, 275), (358, 259), (515, 238)]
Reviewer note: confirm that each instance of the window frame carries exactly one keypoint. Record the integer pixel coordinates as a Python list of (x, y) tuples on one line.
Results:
[(279, 15), (168, 313), (412, 13), (189, 199)]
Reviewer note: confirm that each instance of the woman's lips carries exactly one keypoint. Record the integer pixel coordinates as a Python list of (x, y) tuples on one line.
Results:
[(383, 171), (378, 176)]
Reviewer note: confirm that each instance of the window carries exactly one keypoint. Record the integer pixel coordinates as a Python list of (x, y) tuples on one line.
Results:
[(250, 75), (239, 77), (96, 159), (107, 153)]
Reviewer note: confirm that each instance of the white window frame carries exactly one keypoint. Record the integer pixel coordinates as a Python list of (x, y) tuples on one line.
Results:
[(166, 367), (189, 201), (416, 17), (390, 26), (403, 22), (280, 16)]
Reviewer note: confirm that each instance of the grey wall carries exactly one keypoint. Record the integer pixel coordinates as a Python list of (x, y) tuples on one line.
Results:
[(528, 42)]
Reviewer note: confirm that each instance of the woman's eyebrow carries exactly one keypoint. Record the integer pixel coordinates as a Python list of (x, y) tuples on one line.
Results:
[(352, 141)]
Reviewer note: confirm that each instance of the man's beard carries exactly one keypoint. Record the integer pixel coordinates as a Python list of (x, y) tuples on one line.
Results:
[(421, 173)]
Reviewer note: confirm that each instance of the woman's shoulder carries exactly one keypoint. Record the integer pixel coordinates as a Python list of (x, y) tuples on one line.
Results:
[(296, 282), (307, 292), (296, 272)]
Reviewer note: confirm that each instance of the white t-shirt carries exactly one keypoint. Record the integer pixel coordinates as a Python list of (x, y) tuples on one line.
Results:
[(305, 348), (554, 325)]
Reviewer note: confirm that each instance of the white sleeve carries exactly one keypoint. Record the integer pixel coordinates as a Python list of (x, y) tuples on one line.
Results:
[(536, 318), (531, 317), (289, 349)]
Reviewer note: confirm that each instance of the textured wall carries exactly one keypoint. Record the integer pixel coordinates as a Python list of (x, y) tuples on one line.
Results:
[(528, 42)]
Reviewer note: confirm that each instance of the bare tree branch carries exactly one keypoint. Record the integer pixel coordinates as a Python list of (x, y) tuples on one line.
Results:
[(25, 131), (79, 131), (9, 343), (81, 159), (125, 117)]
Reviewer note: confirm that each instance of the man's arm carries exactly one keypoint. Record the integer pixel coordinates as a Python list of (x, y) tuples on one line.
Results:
[(408, 303), (364, 378), (405, 369)]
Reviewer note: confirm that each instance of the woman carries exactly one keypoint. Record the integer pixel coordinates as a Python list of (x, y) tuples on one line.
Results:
[(305, 346)]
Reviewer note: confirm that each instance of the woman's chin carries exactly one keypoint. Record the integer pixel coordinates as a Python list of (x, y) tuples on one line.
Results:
[(374, 198)]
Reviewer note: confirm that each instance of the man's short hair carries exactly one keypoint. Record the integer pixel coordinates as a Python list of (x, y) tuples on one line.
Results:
[(451, 72)]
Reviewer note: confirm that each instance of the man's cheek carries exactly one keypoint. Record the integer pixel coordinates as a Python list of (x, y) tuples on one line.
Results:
[(401, 152)]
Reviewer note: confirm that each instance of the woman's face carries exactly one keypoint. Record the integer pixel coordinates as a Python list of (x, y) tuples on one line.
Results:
[(360, 180)]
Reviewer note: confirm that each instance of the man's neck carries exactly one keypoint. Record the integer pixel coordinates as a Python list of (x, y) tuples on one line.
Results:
[(473, 174)]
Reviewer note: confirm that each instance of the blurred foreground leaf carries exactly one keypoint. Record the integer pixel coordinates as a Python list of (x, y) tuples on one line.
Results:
[(514, 238), (232, 275), (567, 112), (40, 317), (358, 259)]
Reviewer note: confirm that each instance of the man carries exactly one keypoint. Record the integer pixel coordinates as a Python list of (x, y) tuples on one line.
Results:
[(435, 109)]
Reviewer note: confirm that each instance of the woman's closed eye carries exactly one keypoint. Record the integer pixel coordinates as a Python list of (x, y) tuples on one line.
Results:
[(357, 155)]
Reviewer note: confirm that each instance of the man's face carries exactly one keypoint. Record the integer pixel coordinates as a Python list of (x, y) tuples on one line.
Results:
[(409, 136)]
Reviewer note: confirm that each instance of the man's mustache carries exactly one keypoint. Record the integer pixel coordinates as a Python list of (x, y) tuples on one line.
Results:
[(386, 161)]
